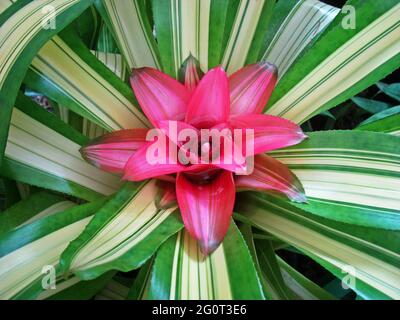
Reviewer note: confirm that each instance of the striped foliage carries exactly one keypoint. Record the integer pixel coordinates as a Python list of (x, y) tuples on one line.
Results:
[(26, 250), (129, 22), (69, 74), (341, 63), (349, 176), (21, 37), (123, 234), (43, 151), (180, 270), (373, 255), (82, 66)]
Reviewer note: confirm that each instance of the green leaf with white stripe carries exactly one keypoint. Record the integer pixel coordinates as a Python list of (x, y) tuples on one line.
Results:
[(38, 205), (21, 37), (181, 272), (123, 234), (341, 63), (303, 22), (67, 72), (349, 176), (130, 25), (25, 250), (373, 254), (179, 29), (43, 151)]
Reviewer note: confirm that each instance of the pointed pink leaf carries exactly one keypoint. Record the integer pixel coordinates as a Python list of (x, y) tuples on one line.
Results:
[(206, 208), (152, 160), (209, 104), (160, 96), (271, 175), (251, 87), (111, 151), (270, 132)]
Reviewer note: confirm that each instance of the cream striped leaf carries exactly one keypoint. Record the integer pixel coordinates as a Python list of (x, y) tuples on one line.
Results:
[(38, 147), (181, 272), (129, 23), (22, 34), (116, 64), (26, 250), (360, 61), (5, 4), (123, 234), (90, 89), (242, 33), (182, 27), (350, 176), (376, 261), (303, 23)]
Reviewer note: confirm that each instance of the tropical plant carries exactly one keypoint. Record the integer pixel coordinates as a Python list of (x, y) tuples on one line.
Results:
[(64, 81)]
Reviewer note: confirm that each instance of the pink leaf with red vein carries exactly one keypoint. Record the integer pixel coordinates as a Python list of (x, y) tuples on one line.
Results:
[(206, 208), (160, 96), (209, 104), (270, 132), (251, 87), (271, 175), (111, 151)]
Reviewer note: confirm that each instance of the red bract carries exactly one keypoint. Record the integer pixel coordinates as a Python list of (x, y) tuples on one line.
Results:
[(205, 192)]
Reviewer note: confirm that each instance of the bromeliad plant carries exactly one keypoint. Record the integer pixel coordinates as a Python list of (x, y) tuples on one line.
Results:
[(90, 218), (205, 185)]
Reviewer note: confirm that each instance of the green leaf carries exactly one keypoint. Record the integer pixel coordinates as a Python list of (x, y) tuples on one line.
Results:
[(349, 176), (10, 192), (392, 90), (123, 234), (138, 289), (222, 17), (180, 271), (25, 250), (76, 289), (36, 206), (373, 254), (114, 290), (372, 106), (21, 42), (387, 121), (341, 63), (43, 151)]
